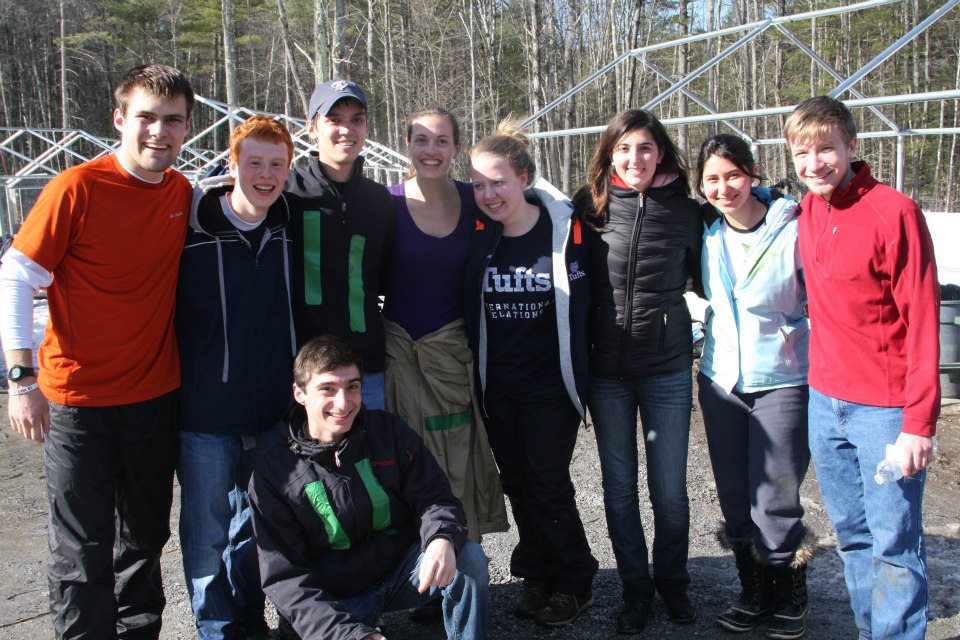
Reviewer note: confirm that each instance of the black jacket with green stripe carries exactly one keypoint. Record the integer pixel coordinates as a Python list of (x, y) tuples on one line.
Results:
[(332, 521), (341, 246)]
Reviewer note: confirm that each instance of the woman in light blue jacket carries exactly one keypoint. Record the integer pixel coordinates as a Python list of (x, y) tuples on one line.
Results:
[(753, 384)]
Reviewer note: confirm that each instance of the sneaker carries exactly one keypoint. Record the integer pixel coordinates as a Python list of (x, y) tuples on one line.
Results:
[(530, 602), (633, 617), (428, 612), (563, 608), (678, 607)]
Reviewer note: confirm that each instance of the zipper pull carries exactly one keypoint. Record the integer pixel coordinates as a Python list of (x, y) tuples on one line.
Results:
[(835, 231)]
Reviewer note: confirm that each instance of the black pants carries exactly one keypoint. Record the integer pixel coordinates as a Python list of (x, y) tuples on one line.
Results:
[(110, 487), (532, 439), (758, 449)]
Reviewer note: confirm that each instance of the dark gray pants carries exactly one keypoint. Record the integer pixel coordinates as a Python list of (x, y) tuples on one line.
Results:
[(110, 486), (758, 449)]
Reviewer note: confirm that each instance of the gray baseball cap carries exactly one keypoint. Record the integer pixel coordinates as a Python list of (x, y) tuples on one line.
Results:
[(327, 94)]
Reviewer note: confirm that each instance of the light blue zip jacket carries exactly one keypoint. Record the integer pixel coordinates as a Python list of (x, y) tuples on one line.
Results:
[(757, 331)]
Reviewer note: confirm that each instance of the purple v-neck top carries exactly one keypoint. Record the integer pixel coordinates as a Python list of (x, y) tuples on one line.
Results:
[(424, 288)]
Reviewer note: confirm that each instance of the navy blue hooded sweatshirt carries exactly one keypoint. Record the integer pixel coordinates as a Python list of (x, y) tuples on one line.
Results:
[(233, 319)]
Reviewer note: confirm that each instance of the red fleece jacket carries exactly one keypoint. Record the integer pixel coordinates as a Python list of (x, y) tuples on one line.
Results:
[(874, 300)]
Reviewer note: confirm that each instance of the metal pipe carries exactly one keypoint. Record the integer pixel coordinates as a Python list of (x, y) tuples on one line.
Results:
[(575, 89), (929, 96), (889, 51), (694, 96), (901, 157), (709, 63), (826, 66)]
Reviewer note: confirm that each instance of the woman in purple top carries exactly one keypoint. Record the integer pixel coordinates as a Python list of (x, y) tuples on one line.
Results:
[(429, 365)]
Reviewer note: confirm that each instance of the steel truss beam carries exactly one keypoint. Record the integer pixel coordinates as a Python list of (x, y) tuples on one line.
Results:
[(50, 148), (751, 31), (30, 156)]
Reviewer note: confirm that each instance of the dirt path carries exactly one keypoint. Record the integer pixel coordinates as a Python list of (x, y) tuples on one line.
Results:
[(23, 596)]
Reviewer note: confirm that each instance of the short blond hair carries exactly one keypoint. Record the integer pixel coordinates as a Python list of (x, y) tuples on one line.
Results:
[(814, 118)]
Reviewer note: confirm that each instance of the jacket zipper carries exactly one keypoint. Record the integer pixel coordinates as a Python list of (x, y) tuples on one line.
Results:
[(631, 277), (663, 333), (821, 257)]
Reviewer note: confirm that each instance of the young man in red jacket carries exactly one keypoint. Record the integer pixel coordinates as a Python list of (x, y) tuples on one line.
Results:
[(874, 380)]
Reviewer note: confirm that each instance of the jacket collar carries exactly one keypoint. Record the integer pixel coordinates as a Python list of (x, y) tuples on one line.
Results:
[(859, 185), (326, 453), (318, 175), (656, 191), (206, 214)]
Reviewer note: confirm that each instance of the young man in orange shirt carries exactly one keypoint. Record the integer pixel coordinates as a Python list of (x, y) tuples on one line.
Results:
[(105, 239)]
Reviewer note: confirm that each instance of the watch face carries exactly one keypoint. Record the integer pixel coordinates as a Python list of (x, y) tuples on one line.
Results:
[(17, 373)]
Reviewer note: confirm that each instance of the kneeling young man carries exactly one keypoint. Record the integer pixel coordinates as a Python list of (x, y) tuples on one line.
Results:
[(874, 380), (353, 516)]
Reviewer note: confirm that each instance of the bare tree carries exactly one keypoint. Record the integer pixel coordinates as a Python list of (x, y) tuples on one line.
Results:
[(229, 56), (291, 67)]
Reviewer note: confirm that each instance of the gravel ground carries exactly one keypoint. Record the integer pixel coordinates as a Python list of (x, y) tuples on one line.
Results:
[(23, 599)]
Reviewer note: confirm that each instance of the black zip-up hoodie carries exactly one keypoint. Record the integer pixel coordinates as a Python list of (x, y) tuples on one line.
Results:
[(569, 251), (641, 261), (333, 520), (341, 247)]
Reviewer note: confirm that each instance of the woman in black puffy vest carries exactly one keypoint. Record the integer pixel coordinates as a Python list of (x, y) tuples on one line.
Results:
[(646, 247)]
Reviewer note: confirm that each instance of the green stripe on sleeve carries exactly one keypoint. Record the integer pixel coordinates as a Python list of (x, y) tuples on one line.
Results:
[(358, 322), (317, 494), (381, 503), (450, 421), (311, 257)]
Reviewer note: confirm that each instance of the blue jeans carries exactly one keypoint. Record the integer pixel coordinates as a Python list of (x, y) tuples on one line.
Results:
[(372, 390), (879, 527), (466, 600), (216, 534), (664, 404)]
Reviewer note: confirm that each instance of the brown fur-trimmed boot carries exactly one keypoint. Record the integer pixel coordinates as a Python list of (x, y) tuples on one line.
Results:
[(789, 620), (755, 603)]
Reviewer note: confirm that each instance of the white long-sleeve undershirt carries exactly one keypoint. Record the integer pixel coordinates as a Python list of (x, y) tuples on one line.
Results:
[(20, 279)]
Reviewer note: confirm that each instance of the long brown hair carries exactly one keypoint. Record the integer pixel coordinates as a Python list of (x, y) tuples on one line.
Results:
[(599, 170)]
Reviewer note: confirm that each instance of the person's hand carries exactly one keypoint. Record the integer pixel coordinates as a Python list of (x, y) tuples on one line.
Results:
[(29, 414), (376, 635), (916, 452), (438, 565)]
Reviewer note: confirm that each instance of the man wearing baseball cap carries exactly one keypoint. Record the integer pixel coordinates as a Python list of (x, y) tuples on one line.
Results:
[(342, 241)]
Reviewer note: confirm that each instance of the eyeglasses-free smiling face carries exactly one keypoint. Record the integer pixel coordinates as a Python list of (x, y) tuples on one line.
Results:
[(151, 133), (824, 164), (259, 172), (340, 134), (497, 187), (332, 400), (725, 185), (635, 158), (431, 146)]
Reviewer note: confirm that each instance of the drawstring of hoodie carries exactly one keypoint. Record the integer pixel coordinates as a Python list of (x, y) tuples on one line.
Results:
[(223, 312), (286, 276)]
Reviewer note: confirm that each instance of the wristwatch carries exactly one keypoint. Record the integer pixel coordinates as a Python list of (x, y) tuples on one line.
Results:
[(17, 372)]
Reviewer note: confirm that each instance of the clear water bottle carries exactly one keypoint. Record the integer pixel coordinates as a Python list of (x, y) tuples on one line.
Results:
[(889, 469)]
